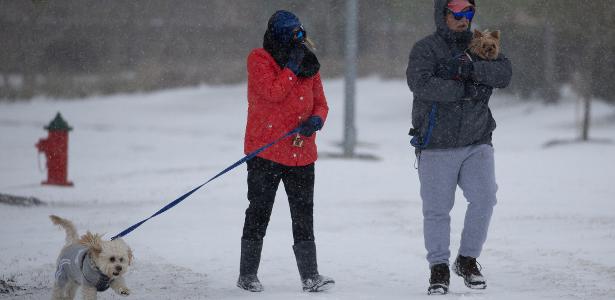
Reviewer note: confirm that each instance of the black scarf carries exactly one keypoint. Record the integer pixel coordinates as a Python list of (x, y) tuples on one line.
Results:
[(309, 66)]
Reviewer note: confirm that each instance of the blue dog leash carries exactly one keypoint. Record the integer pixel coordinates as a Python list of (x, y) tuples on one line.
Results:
[(186, 195), (419, 143)]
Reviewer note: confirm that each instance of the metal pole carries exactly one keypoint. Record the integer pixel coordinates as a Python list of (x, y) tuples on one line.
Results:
[(551, 93), (586, 117), (350, 135)]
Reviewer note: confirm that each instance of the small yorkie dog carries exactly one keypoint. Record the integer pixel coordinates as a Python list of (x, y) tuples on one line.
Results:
[(486, 44)]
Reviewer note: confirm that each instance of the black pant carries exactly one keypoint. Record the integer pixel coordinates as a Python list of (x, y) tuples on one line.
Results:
[(263, 180)]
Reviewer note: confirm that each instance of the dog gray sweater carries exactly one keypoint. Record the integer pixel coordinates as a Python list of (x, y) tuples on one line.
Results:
[(76, 264)]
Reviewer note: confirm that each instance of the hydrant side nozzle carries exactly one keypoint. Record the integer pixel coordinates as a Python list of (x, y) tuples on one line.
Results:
[(41, 145)]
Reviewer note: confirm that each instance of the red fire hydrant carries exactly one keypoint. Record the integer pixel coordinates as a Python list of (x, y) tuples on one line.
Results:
[(55, 147)]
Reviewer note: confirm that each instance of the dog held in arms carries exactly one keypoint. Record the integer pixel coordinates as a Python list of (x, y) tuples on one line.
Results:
[(91, 263), (486, 45)]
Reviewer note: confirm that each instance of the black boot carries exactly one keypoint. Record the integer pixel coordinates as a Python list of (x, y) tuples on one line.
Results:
[(439, 280), (469, 269), (305, 253), (248, 265)]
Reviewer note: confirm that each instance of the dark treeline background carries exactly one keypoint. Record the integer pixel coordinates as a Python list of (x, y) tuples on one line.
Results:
[(75, 48)]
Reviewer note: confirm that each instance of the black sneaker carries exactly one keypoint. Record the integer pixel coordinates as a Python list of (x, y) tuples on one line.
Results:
[(317, 283), (249, 283), (439, 280), (469, 269)]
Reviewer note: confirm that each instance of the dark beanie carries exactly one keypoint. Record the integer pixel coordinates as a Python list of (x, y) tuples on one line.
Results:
[(281, 24)]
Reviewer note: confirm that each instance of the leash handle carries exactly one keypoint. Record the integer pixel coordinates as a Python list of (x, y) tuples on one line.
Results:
[(186, 195)]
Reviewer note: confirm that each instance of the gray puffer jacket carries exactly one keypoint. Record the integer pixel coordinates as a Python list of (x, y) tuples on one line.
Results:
[(455, 122)]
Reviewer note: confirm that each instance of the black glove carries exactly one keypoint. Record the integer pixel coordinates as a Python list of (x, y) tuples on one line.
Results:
[(459, 67), (295, 58), (313, 124), (449, 70)]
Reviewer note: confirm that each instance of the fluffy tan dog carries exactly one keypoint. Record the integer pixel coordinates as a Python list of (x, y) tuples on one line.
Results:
[(91, 263), (486, 44)]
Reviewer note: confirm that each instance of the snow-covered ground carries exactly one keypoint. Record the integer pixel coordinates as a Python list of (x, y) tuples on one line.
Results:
[(552, 235)]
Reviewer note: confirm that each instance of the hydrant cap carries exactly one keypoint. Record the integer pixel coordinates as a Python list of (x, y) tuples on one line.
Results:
[(58, 123)]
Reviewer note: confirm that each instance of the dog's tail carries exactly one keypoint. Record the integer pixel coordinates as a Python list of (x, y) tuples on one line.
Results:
[(71, 231)]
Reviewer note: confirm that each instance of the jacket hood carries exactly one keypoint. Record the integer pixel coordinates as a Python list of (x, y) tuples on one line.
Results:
[(279, 48), (281, 25), (440, 7)]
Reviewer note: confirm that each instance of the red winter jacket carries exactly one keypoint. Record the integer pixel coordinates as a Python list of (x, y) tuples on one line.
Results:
[(278, 101)]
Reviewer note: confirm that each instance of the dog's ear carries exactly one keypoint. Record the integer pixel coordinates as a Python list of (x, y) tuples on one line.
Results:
[(93, 242), (477, 33), (496, 34)]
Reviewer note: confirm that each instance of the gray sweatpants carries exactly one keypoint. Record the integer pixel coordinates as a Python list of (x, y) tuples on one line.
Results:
[(440, 171)]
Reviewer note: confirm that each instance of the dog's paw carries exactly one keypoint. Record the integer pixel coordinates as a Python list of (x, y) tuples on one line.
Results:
[(124, 291)]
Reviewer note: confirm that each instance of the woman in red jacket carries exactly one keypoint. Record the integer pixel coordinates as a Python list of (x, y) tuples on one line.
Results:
[(284, 92)]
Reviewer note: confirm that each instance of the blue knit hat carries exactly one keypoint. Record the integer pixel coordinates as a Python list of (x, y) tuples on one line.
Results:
[(282, 23)]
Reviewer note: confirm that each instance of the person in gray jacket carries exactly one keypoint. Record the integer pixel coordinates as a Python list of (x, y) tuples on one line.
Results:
[(452, 132)]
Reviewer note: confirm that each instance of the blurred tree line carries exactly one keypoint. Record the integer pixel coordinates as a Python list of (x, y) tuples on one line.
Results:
[(74, 48)]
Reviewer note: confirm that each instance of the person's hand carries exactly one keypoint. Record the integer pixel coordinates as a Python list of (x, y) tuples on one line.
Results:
[(295, 58), (313, 124), (459, 67), (449, 70)]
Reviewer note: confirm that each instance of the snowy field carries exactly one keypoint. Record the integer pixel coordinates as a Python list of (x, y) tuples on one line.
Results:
[(552, 234)]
